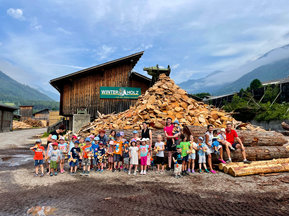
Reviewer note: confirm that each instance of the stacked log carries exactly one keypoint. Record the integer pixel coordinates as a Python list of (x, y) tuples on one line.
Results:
[(164, 99), (33, 122), (20, 125), (258, 167)]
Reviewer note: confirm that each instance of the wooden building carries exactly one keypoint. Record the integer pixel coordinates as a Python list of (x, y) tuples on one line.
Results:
[(26, 112), (6, 118), (42, 115), (81, 90)]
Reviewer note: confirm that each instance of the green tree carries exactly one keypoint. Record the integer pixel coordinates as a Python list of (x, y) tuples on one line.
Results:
[(255, 84)]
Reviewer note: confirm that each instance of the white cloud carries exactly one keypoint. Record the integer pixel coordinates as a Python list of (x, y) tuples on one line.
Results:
[(175, 66), (105, 51), (16, 13), (64, 31), (34, 24)]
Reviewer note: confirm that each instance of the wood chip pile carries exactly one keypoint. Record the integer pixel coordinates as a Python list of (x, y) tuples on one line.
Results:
[(164, 99), (20, 125)]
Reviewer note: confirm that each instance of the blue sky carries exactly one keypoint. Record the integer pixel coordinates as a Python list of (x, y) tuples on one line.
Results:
[(41, 40)]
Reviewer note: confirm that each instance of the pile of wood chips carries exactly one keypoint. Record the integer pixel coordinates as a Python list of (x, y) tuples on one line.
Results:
[(164, 99), (20, 125), (34, 122)]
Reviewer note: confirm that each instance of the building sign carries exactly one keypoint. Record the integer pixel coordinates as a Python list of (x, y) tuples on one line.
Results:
[(120, 92)]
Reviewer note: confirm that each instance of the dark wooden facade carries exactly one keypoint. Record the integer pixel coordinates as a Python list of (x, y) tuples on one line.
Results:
[(26, 112), (42, 115), (81, 90), (6, 118)]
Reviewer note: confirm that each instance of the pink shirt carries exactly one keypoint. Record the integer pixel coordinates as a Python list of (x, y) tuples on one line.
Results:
[(169, 130)]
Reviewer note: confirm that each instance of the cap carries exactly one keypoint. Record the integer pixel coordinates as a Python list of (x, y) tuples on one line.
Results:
[(118, 135), (61, 138), (201, 138), (87, 139), (138, 139), (54, 137), (178, 146), (121, 133), (133, 140), (74, 137), (55, 144), (91, 136), (176, 122), (38, 141), (135, 132), (143, 139), (100, 143), (101, 131), (96, 138), (76, 142), (223, 129)]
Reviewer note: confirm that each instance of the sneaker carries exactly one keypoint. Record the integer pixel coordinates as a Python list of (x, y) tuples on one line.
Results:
[(101, 171), (35, 175), (186, 173), (87, 173), (55, 173), (180, 176), (176, 176), (193, 171), (141, 172), (128, 172), (213, 171), (119, 169), (229, 161), (207, 171), (62, 171), (144, 172), (200, 170), (134, 173), (83, 173), (42, 174), (51, 174), (189, 170), (222, 161), (113, 170), (246, 161), (232, 148)]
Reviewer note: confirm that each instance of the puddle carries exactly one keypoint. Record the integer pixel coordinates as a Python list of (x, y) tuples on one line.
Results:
[(15, 160)]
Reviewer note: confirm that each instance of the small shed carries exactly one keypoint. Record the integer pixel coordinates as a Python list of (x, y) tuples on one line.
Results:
[(108, 87), (6, 118), (26, 112), (42, 115)]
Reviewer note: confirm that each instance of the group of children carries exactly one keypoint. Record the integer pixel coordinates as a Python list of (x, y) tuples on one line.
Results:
[(116, 153)]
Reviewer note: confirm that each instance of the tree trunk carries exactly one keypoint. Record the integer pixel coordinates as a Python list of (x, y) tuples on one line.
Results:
[(241, 169), (249, 138)]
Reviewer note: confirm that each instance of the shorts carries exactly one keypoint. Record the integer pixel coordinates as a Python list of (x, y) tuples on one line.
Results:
[(169, 146), (234, 145), (160, 160), (185, 158), (212, 150), (38, 162), (202, 159), (126, 160), (116, 158), (62, 157), (143, 160), (192, 156), (177, 169), (110, 159), (86, 162), (95, 161), (53, 165), (74, 164)]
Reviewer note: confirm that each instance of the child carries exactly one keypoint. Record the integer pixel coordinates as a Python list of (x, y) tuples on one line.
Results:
[(75, 155), (95, 147), (215, 142), (62, 146), (54, 159), (176, 130), (185, 149), (125, 156), (192, 155), (110, 154), (112, 135), (159, 149), (100, 157), (117, 152), (39, 152), (178, 160), (149, 158), (49, 149), (135, 135), (81, 145), (222, 139), (144, 148), (87, 153), (202, 155), (133, 155)]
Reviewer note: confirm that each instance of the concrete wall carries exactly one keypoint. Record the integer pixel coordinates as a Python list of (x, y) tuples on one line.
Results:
[(79, 120), (270, 125)]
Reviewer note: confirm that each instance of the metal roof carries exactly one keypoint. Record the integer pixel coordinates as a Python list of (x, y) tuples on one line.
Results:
[(3, 106), (284, 80), (141, 76), (40, 111), (87, 70)]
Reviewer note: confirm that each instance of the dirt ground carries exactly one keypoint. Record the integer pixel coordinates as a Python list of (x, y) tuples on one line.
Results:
[(120, 194)]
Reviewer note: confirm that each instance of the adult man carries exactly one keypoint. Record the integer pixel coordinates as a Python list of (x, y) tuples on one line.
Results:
[(56, 132), (102, 137), (232, 137)]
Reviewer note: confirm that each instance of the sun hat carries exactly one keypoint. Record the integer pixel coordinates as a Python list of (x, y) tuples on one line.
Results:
[(143, 139), (96, 138), (91, 136), (121, 133), (74, 137), (135, 132), (176, 122), (201, 138), (54, 137), (133, 140), (87, 139), (62, 138), (38, 141)]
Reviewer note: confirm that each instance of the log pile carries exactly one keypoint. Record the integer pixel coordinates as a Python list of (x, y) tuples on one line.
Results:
[(285, 126), (20, 125), (33, 122), (257, 167), (164, 99)]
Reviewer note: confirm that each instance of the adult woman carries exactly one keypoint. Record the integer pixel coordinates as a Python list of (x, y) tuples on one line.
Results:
[(210, 150), (168, 129), (146, 133)]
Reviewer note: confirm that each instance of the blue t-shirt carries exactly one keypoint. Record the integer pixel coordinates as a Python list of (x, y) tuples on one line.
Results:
[(95, 148), (215, 144), (144, 150), (71, 145), (200, 151)]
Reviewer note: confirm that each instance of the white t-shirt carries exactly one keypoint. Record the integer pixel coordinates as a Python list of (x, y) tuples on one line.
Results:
[(210, 137), (161, 146), (222, 136), (194, 145)]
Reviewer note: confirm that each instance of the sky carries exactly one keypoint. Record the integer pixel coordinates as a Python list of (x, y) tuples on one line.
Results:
[(41, 40)]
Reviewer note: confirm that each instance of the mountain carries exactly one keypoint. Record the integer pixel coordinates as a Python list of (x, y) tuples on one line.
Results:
[(216, 81), (13, 91), (274, 71), (51, 94)]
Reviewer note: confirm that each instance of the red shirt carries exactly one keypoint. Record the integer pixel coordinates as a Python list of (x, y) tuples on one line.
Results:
[(85, 150), (230, 137), (169, 130), (38, 153)]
